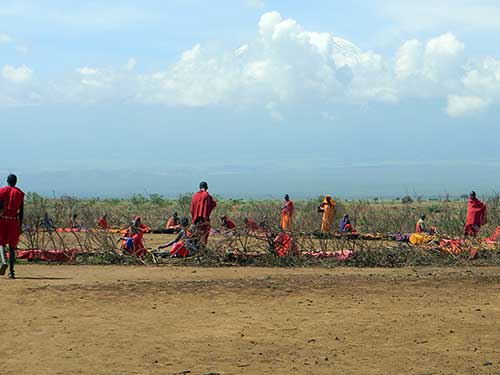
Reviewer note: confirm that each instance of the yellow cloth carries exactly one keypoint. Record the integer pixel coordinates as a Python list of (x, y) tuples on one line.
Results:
[(328, 214), (420, 238), (286, 222)]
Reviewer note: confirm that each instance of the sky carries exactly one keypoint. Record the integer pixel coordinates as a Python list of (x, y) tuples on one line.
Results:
[(357, 99)]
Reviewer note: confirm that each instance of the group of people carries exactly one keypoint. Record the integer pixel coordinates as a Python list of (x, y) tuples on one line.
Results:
[(326, 208), (191, 235)]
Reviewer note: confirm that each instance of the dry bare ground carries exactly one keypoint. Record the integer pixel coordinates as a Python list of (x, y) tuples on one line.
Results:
[(179, 320)]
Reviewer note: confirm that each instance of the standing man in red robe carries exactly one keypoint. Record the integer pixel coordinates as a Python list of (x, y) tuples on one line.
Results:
[(476, 215), (11, 221), (202, 205)]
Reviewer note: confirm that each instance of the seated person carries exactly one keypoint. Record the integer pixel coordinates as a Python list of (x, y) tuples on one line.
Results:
[(345, 225), (140, 225), (102, 222), (251, 225), (421, 227), (73, 223), (47, 223), (184, 244), (226, 223), (132, 240), (173, 224)]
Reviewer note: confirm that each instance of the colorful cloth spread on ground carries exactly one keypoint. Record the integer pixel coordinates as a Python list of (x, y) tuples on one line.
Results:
[(287, 215), (284, 244), (328, 208), (341, 255), (48, 255), (494, 237), (401, 237), (457, 247), (419, 238), (71, 230), (476, 217)]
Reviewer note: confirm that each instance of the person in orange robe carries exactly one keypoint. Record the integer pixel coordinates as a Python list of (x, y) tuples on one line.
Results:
[(327, 207), (476, 215), (202, 205), (102, 222), (11, 221), (286, 214), (173, 223)]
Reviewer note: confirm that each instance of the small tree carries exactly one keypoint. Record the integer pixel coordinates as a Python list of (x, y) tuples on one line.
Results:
[(407, 200)]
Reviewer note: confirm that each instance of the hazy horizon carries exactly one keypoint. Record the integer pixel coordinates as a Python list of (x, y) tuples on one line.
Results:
[(259, 98)]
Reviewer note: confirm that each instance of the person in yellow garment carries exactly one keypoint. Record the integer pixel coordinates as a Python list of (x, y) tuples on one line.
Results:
[(286, 214), (327, 207)]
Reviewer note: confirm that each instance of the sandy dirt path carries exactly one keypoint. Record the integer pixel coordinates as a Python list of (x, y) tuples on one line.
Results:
[(173, 320)]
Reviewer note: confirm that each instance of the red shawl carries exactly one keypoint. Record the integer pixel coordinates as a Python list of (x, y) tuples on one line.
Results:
[(476, 213), (12, 199), (287, 208), (202, 205)]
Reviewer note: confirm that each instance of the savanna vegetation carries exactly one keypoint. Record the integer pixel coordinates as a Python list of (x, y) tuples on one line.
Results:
[(379, 217)]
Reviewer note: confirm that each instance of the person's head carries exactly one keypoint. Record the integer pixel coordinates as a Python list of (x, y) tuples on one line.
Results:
[(328, 198), (133, 228), (184, 222), (472, 195), (12, 180), (346, 216), (105, 216), (422, 216), (203, 186), (175, 214), (287, 197), (74, 216), (137, 220)]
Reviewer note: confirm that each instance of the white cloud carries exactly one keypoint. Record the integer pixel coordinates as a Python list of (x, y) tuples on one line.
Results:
[(409, 59), (131, 63), (285, 64), (462, 105), (441, 58), (19, 74), (87, 71), (5, 39), (256, 4), (411, 15)]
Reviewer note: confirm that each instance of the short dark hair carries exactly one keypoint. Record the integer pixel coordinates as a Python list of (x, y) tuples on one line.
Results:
[(12, 179), (184, 222), (203, 185)]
